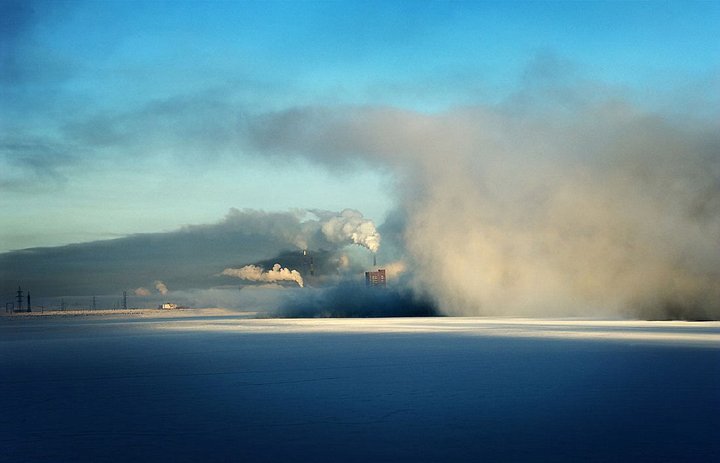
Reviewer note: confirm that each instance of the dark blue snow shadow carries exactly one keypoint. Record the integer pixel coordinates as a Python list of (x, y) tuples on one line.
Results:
[(123, 393), (351, 300)]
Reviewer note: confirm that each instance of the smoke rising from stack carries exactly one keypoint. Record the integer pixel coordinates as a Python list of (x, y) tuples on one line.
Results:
[(258, 274), (575, 206), (349, 227)]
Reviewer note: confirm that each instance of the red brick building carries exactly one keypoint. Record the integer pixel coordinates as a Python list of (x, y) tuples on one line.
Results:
[(375, 278)]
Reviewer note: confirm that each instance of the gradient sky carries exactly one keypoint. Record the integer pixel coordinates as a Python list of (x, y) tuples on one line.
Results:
[(126, 117)]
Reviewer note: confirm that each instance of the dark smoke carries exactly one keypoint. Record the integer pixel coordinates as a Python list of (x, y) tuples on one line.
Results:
[(350, 299)]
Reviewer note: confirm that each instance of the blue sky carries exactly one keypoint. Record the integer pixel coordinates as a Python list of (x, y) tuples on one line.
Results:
[(126, 117)]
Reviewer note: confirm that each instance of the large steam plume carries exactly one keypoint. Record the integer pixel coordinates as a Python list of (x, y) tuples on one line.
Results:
[(255, 273), (583, 207), (349, 226)]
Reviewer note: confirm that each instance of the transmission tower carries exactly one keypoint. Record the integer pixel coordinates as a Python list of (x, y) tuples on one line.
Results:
[(19, 298)]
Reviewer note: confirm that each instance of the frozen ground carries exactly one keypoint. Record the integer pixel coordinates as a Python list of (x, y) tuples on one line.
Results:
[(217, 386)]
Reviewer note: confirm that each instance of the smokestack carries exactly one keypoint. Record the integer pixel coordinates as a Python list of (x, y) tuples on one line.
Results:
[(308, 263), (374, 260)]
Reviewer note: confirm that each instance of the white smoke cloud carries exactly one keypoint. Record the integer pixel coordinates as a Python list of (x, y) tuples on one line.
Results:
[(141, 291), (349, 227), (255, 273), (160, 286), (393, 270), (582, 208), (343, 262)]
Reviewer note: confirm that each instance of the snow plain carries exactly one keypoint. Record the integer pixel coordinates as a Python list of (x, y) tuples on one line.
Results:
[(215, 385)]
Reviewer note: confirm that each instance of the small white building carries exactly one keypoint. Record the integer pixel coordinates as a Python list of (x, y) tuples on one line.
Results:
[(168, 305)]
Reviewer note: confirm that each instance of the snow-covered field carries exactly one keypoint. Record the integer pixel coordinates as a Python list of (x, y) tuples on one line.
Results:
[(216, 385)]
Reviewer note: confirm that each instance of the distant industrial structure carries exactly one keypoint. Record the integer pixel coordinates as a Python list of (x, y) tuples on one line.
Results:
[(168, 306), (19, 300), (17, 305), (308, 263), (375, 279), (22, 301)]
